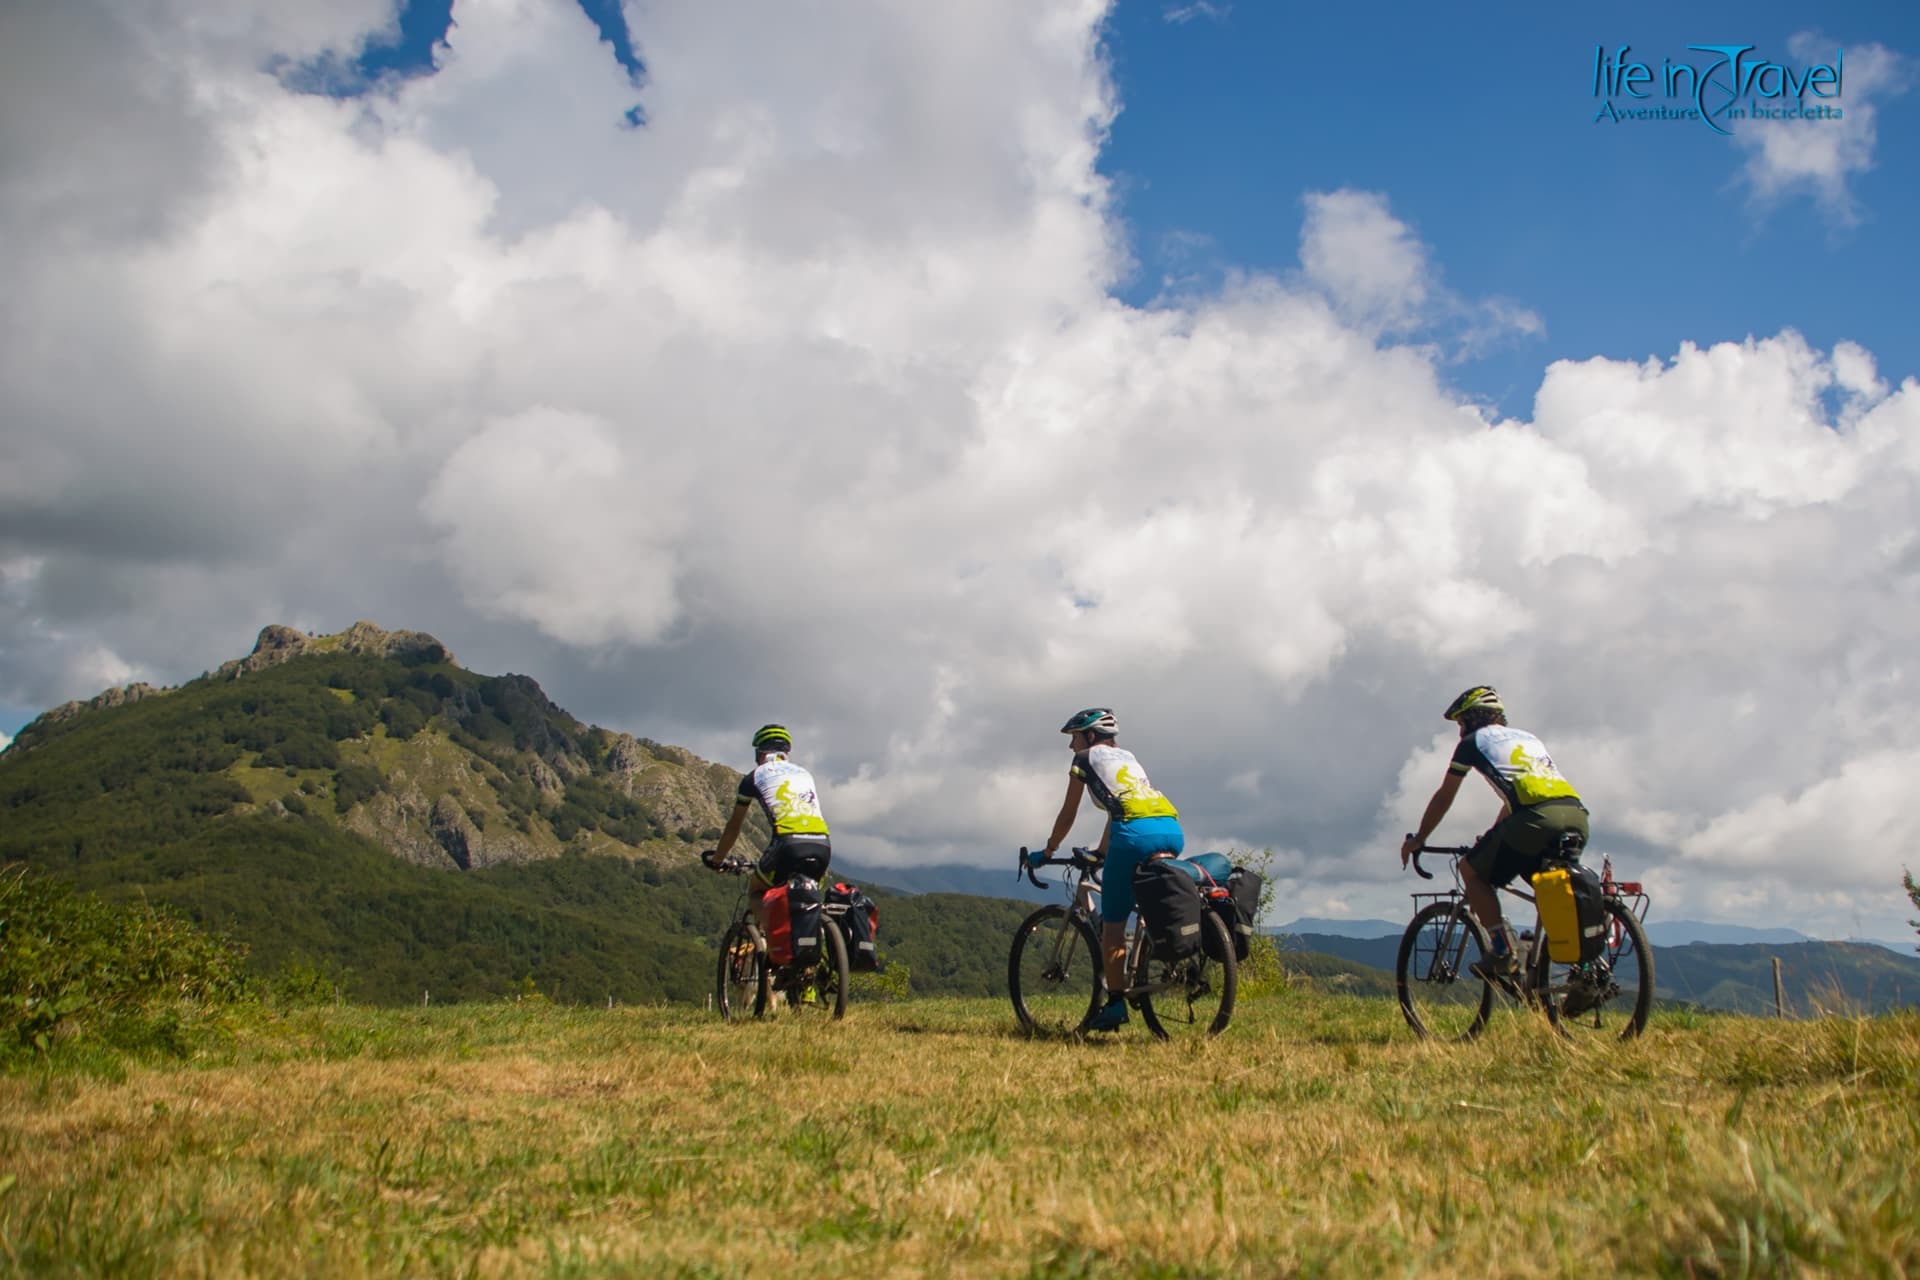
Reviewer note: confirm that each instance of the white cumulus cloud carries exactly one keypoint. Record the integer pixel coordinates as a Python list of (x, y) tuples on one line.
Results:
[(1821, 157), (810, 401)]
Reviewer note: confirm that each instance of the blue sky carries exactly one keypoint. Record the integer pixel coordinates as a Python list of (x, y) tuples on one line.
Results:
[(1478, 122), (519, 351), (1479, 125)]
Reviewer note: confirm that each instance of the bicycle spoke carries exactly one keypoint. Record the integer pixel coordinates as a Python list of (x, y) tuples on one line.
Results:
[(1053, 972), (1607, 999), (1439, 994), (1191, 997)]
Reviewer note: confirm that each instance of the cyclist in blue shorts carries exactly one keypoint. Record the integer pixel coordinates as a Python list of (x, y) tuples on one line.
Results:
[(1141, 824)]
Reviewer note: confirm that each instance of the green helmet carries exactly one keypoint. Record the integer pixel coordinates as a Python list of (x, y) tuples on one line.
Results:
[(1097, 721), (772, 737), (1479, 698)]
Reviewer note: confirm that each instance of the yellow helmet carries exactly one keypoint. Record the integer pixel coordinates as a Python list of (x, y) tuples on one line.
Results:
[(1479, 698)]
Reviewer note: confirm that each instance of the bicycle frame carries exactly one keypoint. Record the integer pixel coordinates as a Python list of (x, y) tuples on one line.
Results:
[(1084, 896), (1628, 893)]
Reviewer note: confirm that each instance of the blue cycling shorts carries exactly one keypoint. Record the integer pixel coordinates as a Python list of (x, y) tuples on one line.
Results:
[(1129, 844)]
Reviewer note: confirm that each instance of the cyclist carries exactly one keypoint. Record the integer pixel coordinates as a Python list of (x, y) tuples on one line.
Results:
[(1141, 824), (787, 794), (1541, 806)]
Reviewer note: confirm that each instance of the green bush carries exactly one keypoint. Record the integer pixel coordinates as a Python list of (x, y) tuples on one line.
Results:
[(353, 783), (71, 964)]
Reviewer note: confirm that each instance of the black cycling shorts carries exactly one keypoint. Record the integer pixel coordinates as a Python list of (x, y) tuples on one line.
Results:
[(789, 857)]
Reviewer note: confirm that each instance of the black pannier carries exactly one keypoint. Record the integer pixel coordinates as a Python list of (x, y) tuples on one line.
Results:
[(1236, 903), (860, 920), (1590, 905), (803, 918), (1170, 906)]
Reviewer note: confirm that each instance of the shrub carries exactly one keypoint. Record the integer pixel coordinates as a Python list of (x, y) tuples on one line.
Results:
[(71, 964), (354, 783)]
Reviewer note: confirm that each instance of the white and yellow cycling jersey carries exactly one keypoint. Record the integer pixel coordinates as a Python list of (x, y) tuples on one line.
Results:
[(1120, 784), (1515, 762), (787, 793)]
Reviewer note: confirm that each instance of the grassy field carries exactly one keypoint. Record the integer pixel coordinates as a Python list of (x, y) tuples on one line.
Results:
[(1316, 1138)]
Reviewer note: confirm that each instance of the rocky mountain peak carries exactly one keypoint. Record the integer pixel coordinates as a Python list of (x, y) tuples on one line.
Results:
[(278, 643)]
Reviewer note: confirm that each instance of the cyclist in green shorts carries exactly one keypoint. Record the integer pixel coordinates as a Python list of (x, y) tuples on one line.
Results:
[(1541, 806)]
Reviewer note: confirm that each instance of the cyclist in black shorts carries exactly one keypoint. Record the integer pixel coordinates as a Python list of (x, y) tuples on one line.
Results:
[(792, 805), (1541, 806)]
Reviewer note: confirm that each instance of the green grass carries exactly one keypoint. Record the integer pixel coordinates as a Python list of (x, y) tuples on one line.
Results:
[(1316, 1137)]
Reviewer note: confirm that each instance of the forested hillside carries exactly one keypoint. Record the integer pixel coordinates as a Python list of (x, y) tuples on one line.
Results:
[(362, 807)]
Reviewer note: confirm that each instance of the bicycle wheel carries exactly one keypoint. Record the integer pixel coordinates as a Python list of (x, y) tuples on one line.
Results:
[(1608, 998), (1191, 997), (817, 989), (1439, 995), (741, 988), (1053, 973)]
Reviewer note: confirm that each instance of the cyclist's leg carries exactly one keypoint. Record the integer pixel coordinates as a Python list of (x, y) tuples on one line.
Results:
[(773, 869), (1491, 866), (1116, 904), (1129, 843)]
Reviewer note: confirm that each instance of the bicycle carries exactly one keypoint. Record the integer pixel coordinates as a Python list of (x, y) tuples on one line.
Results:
[(748, 984), (1057, 982), (1443, 999)]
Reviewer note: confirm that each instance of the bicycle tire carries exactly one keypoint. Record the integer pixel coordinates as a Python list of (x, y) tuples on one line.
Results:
[(740, 985), (1200, 1000), (1439, 996), (1620, 984), (1053, 973)]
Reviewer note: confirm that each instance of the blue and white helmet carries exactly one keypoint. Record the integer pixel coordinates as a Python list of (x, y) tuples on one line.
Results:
[(1097, 721)]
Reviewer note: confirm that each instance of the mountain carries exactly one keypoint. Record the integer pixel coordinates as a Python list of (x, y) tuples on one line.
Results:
[(361, 805), (954, 877), (1678, 933), (1662, 933), (380, 734), (1342, 928), (1817, 976)]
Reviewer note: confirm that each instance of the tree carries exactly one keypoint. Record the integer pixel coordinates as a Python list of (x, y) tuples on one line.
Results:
[(1913, 893)]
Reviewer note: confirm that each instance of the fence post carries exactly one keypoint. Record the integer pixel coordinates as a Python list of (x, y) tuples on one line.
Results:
[(1779, 991)]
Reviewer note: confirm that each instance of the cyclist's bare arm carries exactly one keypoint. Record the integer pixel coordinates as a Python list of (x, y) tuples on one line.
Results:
[(1069, 810), (1436, 810), (737, 820)]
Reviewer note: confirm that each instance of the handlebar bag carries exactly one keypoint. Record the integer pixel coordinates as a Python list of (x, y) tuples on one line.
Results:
[(1170, 906)]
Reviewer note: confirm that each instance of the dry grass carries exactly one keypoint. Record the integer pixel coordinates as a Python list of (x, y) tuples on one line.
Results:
[(1316, 1138)]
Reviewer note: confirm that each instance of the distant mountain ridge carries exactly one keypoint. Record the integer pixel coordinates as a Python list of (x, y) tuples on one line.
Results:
[(1818, 976), (1662, 933)]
